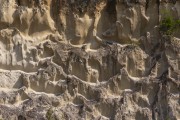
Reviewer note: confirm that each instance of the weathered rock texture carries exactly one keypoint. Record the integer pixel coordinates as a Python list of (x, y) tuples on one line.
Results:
[(88, 60)]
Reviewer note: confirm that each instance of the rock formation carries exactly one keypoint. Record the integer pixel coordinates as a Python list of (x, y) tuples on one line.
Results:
[(88, 60)]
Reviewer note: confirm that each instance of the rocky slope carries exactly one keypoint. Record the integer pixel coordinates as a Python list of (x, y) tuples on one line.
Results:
[(88, 60)]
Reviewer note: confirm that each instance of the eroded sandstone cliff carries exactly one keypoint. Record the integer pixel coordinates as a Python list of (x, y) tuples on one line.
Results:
[(88, 60)]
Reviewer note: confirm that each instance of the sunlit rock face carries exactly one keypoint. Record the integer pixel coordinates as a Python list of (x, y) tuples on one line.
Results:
[(88, 60)]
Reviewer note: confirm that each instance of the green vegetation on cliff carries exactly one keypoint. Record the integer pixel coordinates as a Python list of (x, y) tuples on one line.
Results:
[(169, 25)]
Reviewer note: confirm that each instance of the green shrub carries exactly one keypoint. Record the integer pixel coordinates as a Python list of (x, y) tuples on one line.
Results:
[(169, 25), (49, 114)]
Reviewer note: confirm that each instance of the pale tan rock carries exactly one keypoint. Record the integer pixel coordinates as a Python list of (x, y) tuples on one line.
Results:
[(88, 60)]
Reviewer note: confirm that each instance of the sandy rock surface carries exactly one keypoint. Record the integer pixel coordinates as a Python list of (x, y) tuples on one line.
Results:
[(88, 60)]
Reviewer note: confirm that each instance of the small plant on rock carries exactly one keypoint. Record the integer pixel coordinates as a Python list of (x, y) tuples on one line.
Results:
[(49, 114), (169, 25)]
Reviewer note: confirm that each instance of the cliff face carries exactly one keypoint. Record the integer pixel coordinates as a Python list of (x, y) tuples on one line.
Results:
[(88, 59)]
